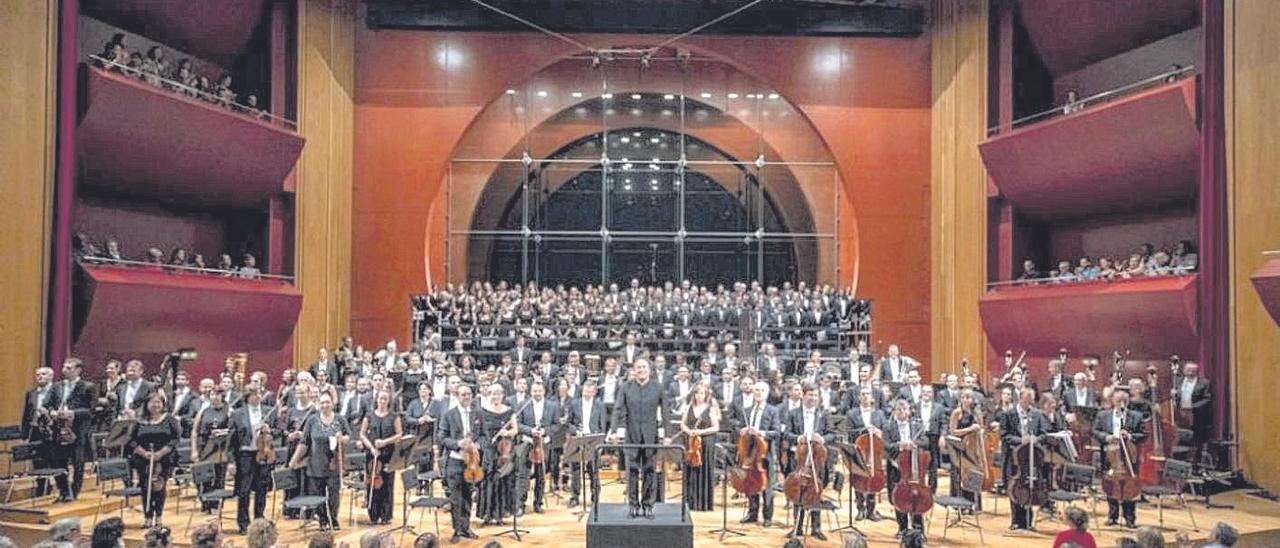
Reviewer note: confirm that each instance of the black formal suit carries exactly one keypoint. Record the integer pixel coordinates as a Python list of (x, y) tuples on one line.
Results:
[(78, 397), (453, 429), (352, 405), (912, 397), (144, 391), (579, 424), (330, 368), (1104, 428), (948, 398), (521, 354), (527, 423), (893, 435), (1012, 429), (183, 408), (888, 365), (767, 421), (33, 404), (1201, 413), (1063, 384), (795, 428), (937, 422), (638, 410), (1073, 400), (866, 502), (251, 476)]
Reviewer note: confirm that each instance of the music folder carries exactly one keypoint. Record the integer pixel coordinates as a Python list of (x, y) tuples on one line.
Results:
[(118, 436)]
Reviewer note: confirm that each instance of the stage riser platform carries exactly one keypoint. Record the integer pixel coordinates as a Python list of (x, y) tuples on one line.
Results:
[(609, 526)]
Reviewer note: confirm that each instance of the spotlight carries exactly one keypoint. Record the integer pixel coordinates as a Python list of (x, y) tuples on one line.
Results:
[(669, 97), (733, 95), (635, 134), (511, 92), (624, 139), (773, 96), (542, 93), (635, 96), (607, 96), (705, 95), (576, 94), (654, 140)]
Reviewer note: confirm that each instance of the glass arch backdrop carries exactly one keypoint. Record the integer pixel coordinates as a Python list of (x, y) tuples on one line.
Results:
[(678, 168)]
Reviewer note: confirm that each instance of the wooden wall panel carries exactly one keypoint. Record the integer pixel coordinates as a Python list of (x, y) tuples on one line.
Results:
[(326, 76), (958, 215), (28, 36), (1253, 168)]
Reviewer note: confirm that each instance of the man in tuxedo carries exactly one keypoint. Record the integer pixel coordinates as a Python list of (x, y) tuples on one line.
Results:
[(457, 433), (73, 399), (538, 420), (809, 424), (762, 419), (1022, 424), (1109, 428), (1057, 381), (767, 362), (585, 416), (547, 370), (324, 363), (353, 402), (680, 387), (641, 405), (902, 433), (181, 399), (725, 391), (894, 366), (630, 351), (949, 397), (132, 393), (252, 477), (1078, 396), (34, 405), (934, 418), (864, 417), (1192, 394), (520, 353), (913, 390)]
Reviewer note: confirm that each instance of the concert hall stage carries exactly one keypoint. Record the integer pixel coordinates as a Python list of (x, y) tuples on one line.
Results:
[(1257, 519)]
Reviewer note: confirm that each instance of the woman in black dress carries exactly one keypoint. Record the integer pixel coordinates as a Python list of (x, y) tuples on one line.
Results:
[(291, 420), (321, 454), (964, 422), (701, 419), (212, 423), (497, 489), (153, 454), (419, 422), (379, 432)]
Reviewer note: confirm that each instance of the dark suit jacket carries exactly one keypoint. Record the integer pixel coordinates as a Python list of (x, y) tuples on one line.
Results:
[(574, 416), (938, 421), (550, 418), (80, 401), (1201, 411), (886, 373), (1103, 424), (905, 393), (451, 428), (242, 434), (145, 389), (821, 425), (892, 437), (857, 427), (1070, 399), (330, 368), (29, 410), (1011, 428)]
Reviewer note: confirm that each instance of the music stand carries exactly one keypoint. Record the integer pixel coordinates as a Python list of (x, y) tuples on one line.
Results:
[(118, 436), (520, 453), (579, 450), (405, 448), (212, 450), (723, 458), (10, 432), (853, 462)]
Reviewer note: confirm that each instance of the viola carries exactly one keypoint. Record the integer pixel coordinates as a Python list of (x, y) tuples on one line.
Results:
[(693, 453), (538, 452), (1121, 481), (803, 487), (870, 446), (375, 474), (912, 494), (1027, 483), (265, 446), (749, 477)]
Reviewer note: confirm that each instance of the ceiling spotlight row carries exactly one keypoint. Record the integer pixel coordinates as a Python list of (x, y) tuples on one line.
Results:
[(668, 96)]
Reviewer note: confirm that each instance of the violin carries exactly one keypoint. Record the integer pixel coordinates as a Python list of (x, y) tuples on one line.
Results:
[(375, 475), (1027, 486), (693, 449), (749, 477), (505, 446), (538, 453), (264, 443), (870, 446), (473, 472), (803, 487), (912, 494)]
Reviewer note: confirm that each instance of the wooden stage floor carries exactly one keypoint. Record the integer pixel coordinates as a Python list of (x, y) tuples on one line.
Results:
[(560, 527)]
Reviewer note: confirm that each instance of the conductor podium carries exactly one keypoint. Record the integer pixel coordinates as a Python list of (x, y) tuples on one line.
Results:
[(609, 526)]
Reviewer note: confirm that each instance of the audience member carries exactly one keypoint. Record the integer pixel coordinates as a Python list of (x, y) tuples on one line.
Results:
[(323, 539), (1222, 535), (1147, 262), (262, 534), (179, 260), (1078, 533), (913, 538), (65, 530), (1150, 537), (158, 537), (853, 539), (426, 540), (108, 533), (208, 535), (1127, 542), (6, 542)]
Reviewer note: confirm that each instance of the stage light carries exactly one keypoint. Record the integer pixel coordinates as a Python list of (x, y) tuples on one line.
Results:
[(669, 97), (576, 94), (733, 95), (666, 112), (607, 96), (654, 140), (636, 112), (705, 95), (773, 96), (624, 139), (635, 96), (635, 134), (511, 92), (542, 93)]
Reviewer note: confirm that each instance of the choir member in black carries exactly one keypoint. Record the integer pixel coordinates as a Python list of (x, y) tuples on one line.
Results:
[(762, 419), (34, 410), (321, 453), (497, 489), (72, 399), (585, 415), (380, 432), (902, 433), (640, 406), (1021, 424), (249, 422), (701, 419), (291, 420), (866, 417), (965, 422), (458, 431), (153, 454), (809, 424), (1109, 426), (420, 421), (539, 420), (212, 423), (933, 418)]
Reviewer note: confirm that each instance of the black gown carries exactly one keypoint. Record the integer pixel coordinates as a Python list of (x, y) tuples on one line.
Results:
[(967, 419), (699, 481), (154, 436), (380, 498), (323, 478), (497, 491)]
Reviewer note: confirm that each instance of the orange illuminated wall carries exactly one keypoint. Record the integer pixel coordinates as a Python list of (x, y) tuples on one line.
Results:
[(417, 93)]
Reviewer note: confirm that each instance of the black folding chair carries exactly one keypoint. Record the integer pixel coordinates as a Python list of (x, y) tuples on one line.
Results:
[(182, 474), (1075, 479), (283, 479), (204, 475), (1175, 474), (972, 484), (111, 470), (410, 481), (27, 453), (355, 482)]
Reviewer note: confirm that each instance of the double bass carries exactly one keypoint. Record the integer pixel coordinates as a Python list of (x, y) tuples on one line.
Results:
[(749, 477), (803, 487), (912, 494), (1161, 438)]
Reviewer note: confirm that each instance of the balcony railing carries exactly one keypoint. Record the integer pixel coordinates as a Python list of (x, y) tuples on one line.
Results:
[(182, 269), (1076, 280), (1097, 98)]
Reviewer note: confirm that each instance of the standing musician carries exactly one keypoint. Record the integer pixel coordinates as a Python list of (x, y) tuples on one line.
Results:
[(323, 441), (291, 419), (539, 423), (72, 400), (497, 489), (211, 422), (865, 417), (641, 405), (1021, 424), (1192, 396), (133, 392), (965, 422), (420, 420), (253, 467), (1119, 422), (585, 415), (1054, 421), (809, 423), (379, 432), (153, 454), (699, 423), (934, 419), (760, 418), (902, 433), (458, 429), (894, 366), (37, 424)]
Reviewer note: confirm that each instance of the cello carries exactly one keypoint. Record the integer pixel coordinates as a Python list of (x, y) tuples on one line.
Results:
[(803, 487), (1121, 481), (1163, 436), (912, 495), (1027, 486), (870, 446), (749, 477)]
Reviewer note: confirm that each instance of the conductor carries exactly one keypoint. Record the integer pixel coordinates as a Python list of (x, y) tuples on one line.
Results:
[(636, 414)]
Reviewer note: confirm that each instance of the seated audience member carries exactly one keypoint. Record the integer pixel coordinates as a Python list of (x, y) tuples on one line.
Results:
[(178, 258), (1064, 273), (1073, 102), (108, 533), (65, 530), (154, 67), (1134, 267), (223, 90), (1029, 271), (133, 67), (853, 539), (913, 538), (262, 534), (158, 537), (155, 258), (111, 252), (1222, 536), (377, 539), (208, 535), (1086, 270), (1184, 256), (1159, 265), (1106, 268), (205, 89), (426, 540), (1077, 533), (250, 269), (1127, 542), (186, 77), (197, 261), (323, 539), (1150, 537), (6, 542), (225, 265)]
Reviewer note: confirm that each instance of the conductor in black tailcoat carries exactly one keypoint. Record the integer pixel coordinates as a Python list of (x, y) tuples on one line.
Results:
[(640, 406)]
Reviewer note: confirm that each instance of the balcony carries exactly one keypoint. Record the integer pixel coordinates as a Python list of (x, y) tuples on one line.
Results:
[(1137, 152), (1150, 317), (144, 309), (1266, 281), (1072, 34), (217, 31), (179, 149)]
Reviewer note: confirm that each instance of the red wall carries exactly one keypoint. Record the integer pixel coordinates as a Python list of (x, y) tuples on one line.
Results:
[(417, 93)]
